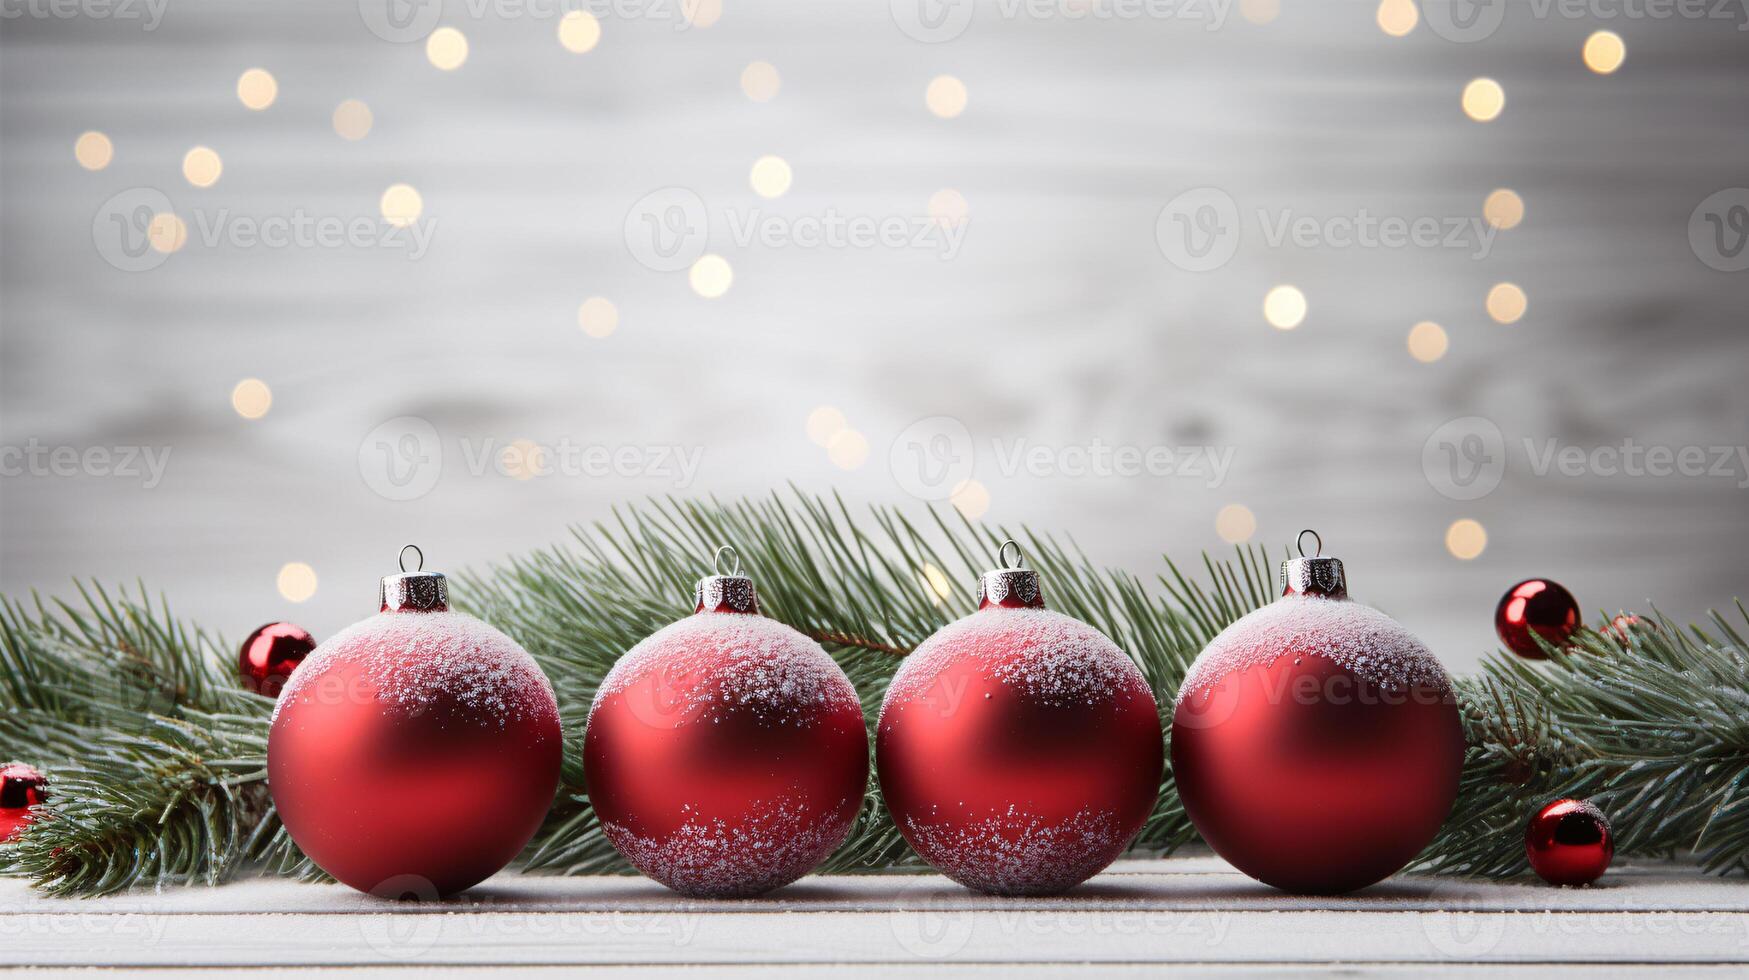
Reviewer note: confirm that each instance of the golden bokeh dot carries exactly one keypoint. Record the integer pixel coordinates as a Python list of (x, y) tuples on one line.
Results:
[(1260, 11), (256, 88), (1604, 52), (297, 581), (1284, 307), (971, 499), (760, 81), (1483, 99), (167, 232), (701, 13), (251, 398), (598, 317), (401, 205), (848, 450), (948, 208), (446, 48), (1507, 302), (1398, 17), (825, 422), (710, 276), (1235, 523), (770, 177), (1427, 342), (579, 31), (353, 119), (202, 166), (945, 96), (935, 583), (93, 150), (1503, 208), (1466, 539), (523, 459)]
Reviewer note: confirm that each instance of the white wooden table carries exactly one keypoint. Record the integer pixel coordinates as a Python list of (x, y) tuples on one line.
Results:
[(1194, 913)]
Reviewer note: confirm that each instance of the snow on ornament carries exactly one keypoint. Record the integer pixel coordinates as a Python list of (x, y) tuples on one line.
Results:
[(414, 753), (1019, 749), (726, 754), (1316, 743)]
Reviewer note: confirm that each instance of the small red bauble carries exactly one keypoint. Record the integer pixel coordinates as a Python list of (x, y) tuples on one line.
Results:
[(1316, 743), (21, 787), (1018, 749), (1623, 627), (1569, 842), (1536, 606), (726, 754), (415, 753), (270, 654)]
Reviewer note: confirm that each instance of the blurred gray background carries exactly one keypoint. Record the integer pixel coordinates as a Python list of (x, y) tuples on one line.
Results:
[(1069, 316)]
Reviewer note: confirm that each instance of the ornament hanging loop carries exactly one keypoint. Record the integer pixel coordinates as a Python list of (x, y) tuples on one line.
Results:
[(402, 558), (1002, 559), (1318, 543), (734, 559)]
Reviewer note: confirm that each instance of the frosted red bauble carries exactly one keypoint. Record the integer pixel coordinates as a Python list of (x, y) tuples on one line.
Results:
[(270, 654), (415, 753), (726, 754), (1019, 750), (1316, 743), (21, 787), (1536, 607), (1569, 842)]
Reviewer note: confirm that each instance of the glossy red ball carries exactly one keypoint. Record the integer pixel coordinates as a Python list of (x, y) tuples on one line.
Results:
[(726, 755), (1316, 745), (1623, 627), (1019, 750), (1536, 606), (1569, 842), (414, 754), (270, 654), (21, 787)]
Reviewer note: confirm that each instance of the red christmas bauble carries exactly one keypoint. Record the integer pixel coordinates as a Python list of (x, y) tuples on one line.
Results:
[(1623, 627), (726, 754), (1540, 606), (1316, 743), (1019, 749), (415, 753), (1569, 842), (270, 654), (21, 787)]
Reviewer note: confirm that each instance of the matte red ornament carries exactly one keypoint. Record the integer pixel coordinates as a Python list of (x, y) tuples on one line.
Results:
[(1316, 743), (1019, 750), (726, 754), (415, 753), (21, 787), (1537, 606), (270, 654), (1569, 842)]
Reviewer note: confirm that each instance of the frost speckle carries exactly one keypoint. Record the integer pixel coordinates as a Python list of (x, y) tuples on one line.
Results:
[(1356, 637), (772, 844), (1019, 853)]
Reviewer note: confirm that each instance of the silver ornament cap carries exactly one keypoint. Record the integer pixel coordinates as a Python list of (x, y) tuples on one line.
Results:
[(730, 592), (1013, 586), (414, 591), (1315, 575)]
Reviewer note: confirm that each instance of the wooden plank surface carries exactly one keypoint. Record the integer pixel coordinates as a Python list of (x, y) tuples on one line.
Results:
[(1188, 911)]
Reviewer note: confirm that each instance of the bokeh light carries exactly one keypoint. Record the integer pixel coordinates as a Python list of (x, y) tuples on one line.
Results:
[(597, 317), (1503, 208), (251, 398), (1466, 539), (353, 120), (1235, 523), (401, 205), (971, 499), (945, 96), (825, 422), (711, 276), (1483, 99), (760, 81), (167, 232), (257, 88), (770, 177), (202, 166), (1260, 12), (1398, 17), (1284, 307), (93, 150), (1506, 302), (1427, 342), (948, 208), (848, 450), (446, 48), (579, 31), (296, 582), (1604, 52)]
